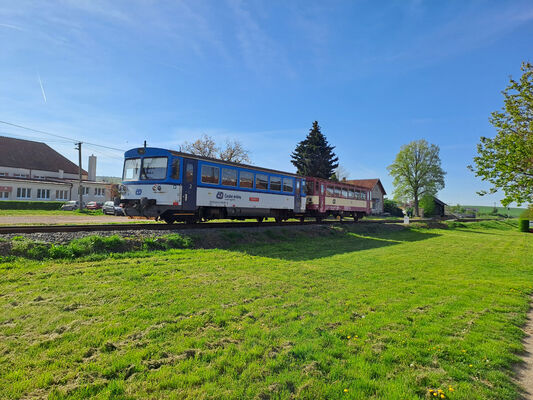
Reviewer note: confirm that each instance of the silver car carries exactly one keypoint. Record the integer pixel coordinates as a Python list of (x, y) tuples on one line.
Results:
[(109, 207)]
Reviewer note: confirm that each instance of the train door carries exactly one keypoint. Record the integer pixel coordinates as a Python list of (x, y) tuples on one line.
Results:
[(322, 198), (298, 196), (190, 172)]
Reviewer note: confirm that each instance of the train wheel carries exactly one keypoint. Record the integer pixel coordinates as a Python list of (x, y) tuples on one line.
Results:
[(191, 220), (278, 220), (302, 219), (318, 219), (259, 219)]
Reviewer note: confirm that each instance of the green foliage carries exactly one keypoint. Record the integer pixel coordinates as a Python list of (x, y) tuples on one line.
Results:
[(382, 312), (427, 202), (523, 225), (30, 205), (506, 161), (314, 156), (92, 245), (391, 207), (417, 172)]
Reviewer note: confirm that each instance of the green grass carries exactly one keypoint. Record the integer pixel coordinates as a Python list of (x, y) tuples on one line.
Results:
[(369, 313), (513, 212)]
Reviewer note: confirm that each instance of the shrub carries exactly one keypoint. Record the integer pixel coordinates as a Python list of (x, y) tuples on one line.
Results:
[(29, 249), (392, 208), (428, 204), (30, 205), (523, 225)]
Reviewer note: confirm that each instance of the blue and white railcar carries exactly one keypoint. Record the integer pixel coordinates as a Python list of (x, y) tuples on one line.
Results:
[(176, 186)]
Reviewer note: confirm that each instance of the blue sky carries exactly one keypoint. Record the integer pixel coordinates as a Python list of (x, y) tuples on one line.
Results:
[(375, 75)]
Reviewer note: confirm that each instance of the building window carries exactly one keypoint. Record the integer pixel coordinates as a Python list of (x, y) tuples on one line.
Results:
[(4, 195), (43, 194), (3, 174), (21, 175), (99, 191), (61, 194), (23, 193)]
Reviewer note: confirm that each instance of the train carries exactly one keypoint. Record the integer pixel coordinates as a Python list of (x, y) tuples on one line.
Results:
[(172, 186)]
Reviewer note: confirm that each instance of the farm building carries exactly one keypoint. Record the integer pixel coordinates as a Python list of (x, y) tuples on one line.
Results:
[(34, 171), (377, 192)]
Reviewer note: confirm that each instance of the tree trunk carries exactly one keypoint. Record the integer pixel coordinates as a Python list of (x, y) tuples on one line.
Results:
[(417, 213)]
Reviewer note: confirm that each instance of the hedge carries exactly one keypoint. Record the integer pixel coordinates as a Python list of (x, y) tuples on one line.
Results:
[(30, 205), (523, 225)]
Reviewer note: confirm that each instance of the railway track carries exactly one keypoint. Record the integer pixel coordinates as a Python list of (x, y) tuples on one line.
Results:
[(12, 229)]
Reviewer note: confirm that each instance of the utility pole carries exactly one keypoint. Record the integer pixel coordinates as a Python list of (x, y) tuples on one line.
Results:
[(80, 187)]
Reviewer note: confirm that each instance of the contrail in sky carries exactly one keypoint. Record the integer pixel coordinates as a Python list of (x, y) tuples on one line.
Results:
[(42, 88)]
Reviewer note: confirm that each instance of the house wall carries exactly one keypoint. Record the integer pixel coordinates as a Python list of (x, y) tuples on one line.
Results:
[(36, 174), (377, 200), (58, 191)]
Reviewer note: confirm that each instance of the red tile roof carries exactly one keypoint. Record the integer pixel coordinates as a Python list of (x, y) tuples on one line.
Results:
[(18, 153), (367, 183)]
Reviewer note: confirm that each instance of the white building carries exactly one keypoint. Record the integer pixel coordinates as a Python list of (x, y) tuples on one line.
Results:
[(34, 171)]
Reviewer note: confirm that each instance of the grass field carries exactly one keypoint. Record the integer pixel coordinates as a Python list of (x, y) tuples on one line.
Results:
[(369, 313), (12, 213), (513, 212)]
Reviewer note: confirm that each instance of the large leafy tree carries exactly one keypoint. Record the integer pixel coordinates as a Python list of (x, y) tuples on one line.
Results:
[(506, 161), (417, 172), (314, 156)]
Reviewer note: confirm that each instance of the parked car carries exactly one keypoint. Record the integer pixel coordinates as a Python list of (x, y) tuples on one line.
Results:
[(71, 205), (109, 207), (93, 205)]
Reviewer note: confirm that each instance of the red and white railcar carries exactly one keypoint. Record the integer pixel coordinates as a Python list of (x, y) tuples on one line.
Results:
[(328, 198)]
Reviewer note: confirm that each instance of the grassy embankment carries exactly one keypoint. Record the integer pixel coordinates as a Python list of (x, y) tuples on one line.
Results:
[(372, 312)]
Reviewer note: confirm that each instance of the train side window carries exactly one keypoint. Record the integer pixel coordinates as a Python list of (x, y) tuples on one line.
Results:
[(358, 195), (316, 187), (310, 186), (229, 177), (329, 191), (351, 194), (288, 185), (321, 189), (337, 191), (246, 179), (176, 168), (261, 182), (210, 174), (344, 193), (363, 195), (275, 183), (189, 173)]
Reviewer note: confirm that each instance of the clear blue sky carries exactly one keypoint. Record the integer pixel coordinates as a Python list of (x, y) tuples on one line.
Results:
[(375, 75)]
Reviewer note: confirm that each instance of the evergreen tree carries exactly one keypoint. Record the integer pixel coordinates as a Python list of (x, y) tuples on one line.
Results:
[(314, 156)]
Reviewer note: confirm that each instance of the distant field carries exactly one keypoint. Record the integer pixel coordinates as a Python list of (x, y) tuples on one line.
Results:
[(513, 212), (369, 313)]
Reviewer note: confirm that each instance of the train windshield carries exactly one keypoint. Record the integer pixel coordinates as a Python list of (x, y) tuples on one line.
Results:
[(132, 167), (154, 168)]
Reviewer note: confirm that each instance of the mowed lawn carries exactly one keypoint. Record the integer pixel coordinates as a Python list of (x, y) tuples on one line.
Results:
[(371, 313)]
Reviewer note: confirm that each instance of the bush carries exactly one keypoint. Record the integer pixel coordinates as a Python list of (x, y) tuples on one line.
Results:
[(523, 225), (428, 204), (30, 205), (392, 208)]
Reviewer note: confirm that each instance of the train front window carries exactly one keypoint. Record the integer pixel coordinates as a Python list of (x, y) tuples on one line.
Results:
[(154, 168), (132, 167)]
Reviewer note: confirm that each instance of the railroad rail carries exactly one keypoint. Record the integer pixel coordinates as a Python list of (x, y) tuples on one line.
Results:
[(164, 227), (13, 229)]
